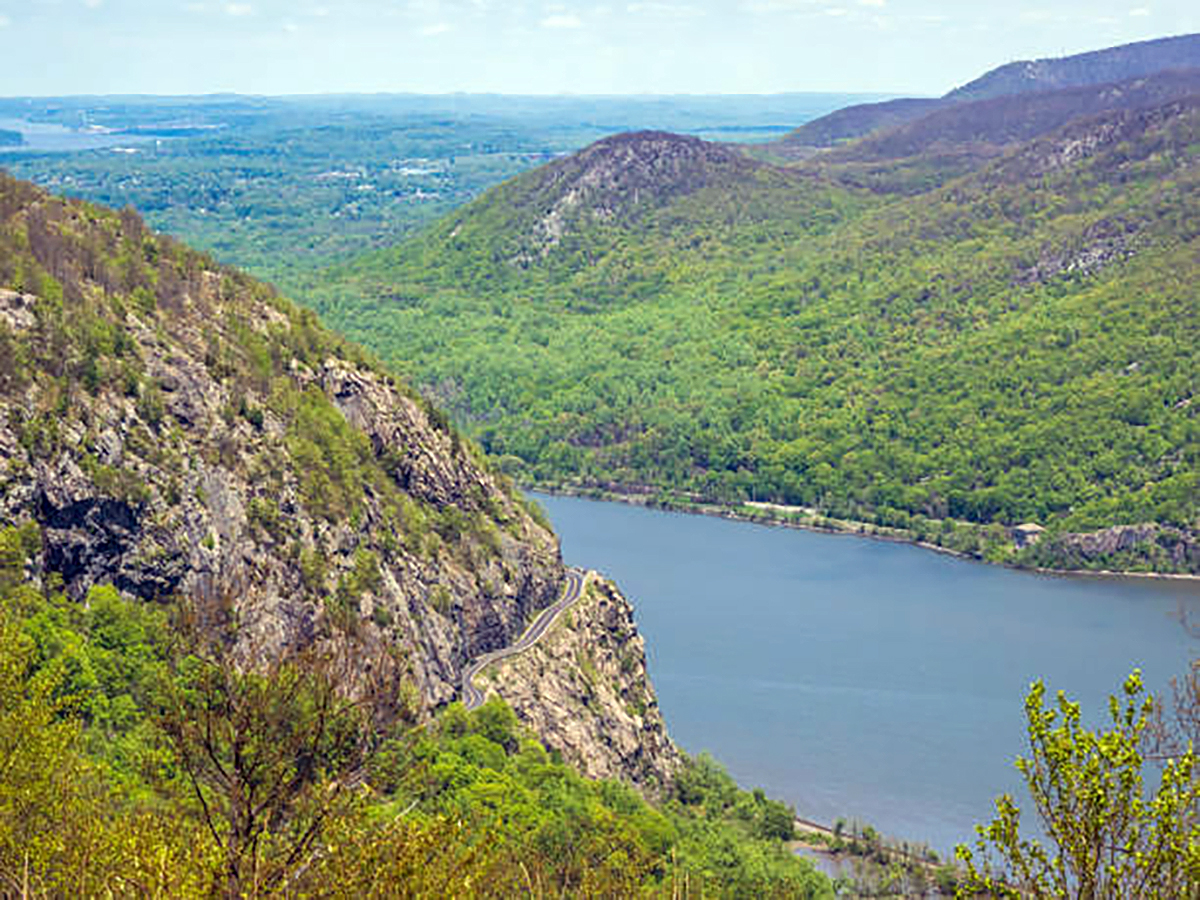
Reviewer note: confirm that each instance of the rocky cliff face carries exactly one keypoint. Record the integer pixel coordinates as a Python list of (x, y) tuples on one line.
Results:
[(1149, 547), (183, 433), (585, 690), (323, 506)]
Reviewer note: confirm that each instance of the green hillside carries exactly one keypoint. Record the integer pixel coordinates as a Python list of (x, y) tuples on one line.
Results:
[(1019, 345), (241, 570)]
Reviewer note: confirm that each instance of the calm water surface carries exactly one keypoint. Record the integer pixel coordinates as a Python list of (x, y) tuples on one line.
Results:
[(48, 136), (863, 679)]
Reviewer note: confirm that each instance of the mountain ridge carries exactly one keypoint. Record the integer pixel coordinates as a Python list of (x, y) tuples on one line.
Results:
[(1101, 66), (1107, 65), (956, 139)]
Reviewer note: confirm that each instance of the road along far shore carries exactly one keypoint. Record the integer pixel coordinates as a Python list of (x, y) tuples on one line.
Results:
[(648, 498)]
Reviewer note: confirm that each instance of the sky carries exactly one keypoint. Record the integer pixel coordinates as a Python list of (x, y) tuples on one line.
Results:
[(54, 47)]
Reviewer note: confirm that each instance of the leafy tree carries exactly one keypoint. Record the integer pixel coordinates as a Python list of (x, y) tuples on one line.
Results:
[(1107, 838), (64, 829), (270, 757)]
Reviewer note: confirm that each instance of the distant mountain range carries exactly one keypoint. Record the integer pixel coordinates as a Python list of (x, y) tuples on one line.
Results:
[(1100, 67), (1097, 67)]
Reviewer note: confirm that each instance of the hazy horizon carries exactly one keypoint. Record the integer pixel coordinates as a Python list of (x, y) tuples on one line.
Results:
[(567, 48), (563, 95)]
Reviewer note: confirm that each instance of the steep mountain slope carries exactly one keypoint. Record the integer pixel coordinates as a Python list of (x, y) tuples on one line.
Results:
[(1017, 346), (1099, 67), (593, 656), (179, 431)]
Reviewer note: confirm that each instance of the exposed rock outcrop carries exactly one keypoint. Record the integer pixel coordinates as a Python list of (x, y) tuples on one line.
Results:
[(585, 690), (617, 181), (179, 431), (1148, 547)]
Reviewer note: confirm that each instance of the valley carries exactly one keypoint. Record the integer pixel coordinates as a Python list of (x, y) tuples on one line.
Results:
[(305, 588), (952, 365)]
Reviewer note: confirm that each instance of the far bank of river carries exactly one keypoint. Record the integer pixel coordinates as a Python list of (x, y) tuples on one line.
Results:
[(865, 679), (804, 519)]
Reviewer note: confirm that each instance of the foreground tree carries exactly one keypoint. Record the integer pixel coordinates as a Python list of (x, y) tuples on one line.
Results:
[(1108, 839), (64, 830), (270, 758)]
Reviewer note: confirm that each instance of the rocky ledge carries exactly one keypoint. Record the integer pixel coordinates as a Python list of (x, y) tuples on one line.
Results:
[(585, 690)]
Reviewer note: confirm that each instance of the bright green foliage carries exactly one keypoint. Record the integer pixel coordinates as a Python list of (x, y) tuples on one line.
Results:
[(64, 828), (97, 662), (34, 757), (212, 781), (1019, 345), (1107, 838), (586, 837), (268, 758)]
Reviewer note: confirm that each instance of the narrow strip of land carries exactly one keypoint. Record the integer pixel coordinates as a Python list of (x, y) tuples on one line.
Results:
[(892, 851), (472, 696)]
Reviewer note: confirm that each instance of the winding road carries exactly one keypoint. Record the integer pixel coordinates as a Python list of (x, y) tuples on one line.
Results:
[(472, 697)]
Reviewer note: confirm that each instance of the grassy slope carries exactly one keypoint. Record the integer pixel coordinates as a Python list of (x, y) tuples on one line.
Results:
[(1020, 344)]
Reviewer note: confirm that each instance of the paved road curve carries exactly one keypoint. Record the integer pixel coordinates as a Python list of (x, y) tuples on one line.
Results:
[(471, 695)]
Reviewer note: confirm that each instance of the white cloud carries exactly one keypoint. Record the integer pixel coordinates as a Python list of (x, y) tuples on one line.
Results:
[(239, 9), (836, 11), (1140, 11), (669, 10), (5, 21), (561, 20), (875, 3), (435, 29), (779, 6)]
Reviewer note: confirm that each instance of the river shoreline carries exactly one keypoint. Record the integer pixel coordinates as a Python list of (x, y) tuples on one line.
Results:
[(645, 497), (897, 677)]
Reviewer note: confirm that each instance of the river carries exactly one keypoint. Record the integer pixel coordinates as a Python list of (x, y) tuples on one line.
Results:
[(862, 679)]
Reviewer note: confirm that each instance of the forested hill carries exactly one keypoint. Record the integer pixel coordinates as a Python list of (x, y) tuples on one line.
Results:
[(1099, 67), (1018, 346), (557, 227), (958, 138), (242, 569)]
